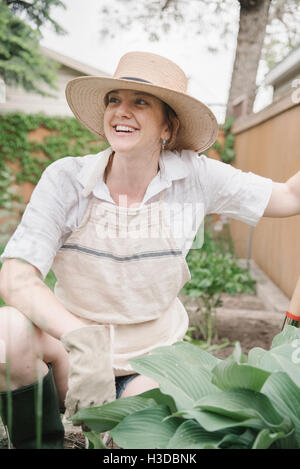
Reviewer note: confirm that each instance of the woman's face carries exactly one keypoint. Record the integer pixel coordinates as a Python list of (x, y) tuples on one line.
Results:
[(134, 121)]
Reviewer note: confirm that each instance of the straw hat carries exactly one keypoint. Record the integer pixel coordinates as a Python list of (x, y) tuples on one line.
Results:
[(149, 73)]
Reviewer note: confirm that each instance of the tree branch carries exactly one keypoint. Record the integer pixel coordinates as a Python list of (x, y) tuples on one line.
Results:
[(19, 2), (167, 4)]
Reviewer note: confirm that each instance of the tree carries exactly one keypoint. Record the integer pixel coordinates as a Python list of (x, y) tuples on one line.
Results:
[(21, 62), (252, 27), (37, 12), (268, 29)]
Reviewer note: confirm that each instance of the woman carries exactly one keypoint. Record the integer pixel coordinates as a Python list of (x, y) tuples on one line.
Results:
[(115, 228)]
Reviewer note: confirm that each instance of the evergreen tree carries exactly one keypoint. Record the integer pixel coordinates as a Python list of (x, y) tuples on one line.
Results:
[(21, 62)]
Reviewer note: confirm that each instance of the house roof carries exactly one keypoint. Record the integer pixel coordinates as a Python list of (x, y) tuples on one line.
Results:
[(81, 67), (289, 66)]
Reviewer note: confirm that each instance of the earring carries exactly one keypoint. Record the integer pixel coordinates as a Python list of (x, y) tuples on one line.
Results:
[(163, 144)]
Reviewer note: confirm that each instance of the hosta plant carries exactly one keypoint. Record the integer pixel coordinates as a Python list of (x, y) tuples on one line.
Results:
[(204, 402)]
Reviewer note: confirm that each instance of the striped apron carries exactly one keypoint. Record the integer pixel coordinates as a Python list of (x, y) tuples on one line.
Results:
[(122, 267)]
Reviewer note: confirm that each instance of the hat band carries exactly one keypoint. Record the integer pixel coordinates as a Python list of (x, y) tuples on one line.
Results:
[(136, 79)]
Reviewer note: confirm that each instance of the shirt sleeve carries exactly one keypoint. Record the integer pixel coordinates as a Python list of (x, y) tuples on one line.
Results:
[(232, 192), (43, 226)]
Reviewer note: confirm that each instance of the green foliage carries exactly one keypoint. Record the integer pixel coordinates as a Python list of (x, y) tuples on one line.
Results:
[(204, 402), (50, 280), (37, 12), (21, 62), (214, 270), (69, 137), (227, 151)]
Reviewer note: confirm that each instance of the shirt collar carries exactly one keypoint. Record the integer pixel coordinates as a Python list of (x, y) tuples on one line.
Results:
[(99, 161), (171, 166)]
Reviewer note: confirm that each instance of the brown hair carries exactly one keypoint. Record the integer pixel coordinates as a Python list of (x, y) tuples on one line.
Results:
[(173, 123)]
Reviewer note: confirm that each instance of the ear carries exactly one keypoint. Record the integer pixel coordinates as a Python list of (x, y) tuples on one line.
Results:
[(173, 133), (166, 133)]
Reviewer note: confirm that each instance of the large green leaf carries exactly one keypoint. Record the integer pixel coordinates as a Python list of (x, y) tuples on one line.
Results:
[(105, 417), (95, 440), (160, 398), (281, 358), (239, 440), (146, 429), (285, 396), (190, 435), (214, 422), (284, 354), (189, 354), (241, 404), (185, 381), (255, 356), (265, 439), (195, 356), (221, 403), (237, 355), (286, 336), (231, 375)]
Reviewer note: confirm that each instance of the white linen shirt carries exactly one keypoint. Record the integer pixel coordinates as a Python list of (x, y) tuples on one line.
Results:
[(57, 205)]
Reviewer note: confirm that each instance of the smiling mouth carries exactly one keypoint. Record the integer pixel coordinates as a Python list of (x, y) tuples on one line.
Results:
[(124, 130)]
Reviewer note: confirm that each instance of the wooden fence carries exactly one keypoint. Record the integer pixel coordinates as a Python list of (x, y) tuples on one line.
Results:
[(268, 144)]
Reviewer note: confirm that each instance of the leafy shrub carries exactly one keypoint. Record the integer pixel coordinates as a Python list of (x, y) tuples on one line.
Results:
[(226, 151), (214, 270), (204, 402)]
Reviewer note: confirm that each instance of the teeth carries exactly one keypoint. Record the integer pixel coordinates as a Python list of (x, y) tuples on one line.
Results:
[(124, 128)]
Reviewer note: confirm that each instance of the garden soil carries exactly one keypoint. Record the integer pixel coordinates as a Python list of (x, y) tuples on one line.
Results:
[(241, 318)]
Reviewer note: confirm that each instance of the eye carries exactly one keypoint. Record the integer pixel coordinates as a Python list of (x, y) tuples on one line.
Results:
[(141, 101), (112, 99)]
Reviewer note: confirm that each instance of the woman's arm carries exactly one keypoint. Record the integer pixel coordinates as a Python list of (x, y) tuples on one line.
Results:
[(285, 198), (21, 286)]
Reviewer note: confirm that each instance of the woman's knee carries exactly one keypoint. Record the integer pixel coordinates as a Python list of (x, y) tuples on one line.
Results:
[(16, 330), (139, 385), (26, 349), (20, 349)]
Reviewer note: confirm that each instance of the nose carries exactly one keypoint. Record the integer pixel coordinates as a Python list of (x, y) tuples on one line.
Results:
[(124, 109)]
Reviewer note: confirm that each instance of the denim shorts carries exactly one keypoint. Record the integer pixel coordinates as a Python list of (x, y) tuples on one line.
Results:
[(121, 383)]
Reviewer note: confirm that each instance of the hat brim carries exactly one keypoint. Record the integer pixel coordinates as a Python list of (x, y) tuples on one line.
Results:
[(198, 125)]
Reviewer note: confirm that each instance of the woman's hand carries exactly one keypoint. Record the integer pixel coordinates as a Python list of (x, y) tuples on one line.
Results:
[(91, 379)]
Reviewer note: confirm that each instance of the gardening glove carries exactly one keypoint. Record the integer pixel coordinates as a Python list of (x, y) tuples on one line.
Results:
[(91, 379)]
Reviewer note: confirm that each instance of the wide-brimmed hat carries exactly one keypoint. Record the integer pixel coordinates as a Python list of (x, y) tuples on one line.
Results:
[(149, 73)]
